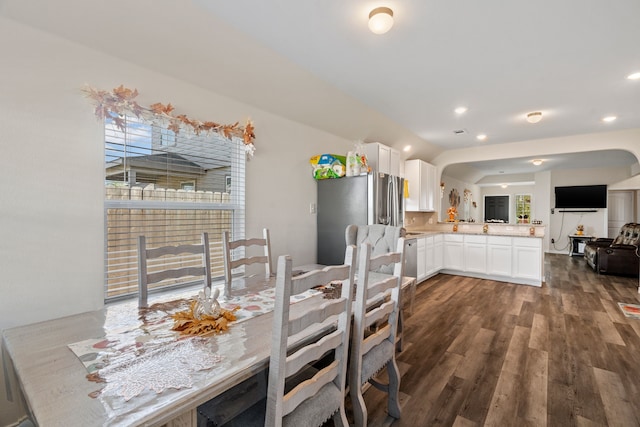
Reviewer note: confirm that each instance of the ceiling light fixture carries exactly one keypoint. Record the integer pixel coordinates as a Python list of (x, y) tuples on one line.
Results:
[(380, 20), (461, 110), (534, 117), (609, 119), (634, 76), (481, 137), (407, 148), (503, 185), (537, 162)]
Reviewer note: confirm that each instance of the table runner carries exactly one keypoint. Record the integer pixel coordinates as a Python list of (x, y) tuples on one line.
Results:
[(143, 353)]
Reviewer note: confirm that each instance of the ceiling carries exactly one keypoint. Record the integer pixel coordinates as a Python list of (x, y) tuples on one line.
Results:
[(316, 62)]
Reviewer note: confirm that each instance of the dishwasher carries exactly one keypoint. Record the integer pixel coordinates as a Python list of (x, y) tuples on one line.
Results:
[(411, 257)]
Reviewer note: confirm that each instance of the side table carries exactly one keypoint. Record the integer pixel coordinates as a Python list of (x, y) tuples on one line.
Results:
[(577, 243)]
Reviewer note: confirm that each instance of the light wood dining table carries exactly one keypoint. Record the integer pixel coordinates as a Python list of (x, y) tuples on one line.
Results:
[(53, 382)]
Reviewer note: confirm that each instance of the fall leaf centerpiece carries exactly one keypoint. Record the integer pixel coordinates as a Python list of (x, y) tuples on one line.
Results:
[(205, 316)]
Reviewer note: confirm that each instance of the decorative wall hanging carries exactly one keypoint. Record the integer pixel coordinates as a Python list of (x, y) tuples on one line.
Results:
[(121, 101), (454, 198)]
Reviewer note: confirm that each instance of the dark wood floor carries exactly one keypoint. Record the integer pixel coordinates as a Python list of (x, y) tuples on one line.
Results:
[(486, 353)]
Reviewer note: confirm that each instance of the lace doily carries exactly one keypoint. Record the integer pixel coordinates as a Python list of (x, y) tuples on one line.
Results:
[(170, 366)]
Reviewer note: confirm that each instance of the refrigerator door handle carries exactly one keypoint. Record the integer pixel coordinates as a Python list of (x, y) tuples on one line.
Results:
[(392, 198)]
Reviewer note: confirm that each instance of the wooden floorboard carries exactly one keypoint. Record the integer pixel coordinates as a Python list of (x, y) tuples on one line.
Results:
[(487, 353)]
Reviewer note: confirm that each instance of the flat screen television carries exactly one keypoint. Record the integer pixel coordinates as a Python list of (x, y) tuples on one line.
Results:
[(581, 197)]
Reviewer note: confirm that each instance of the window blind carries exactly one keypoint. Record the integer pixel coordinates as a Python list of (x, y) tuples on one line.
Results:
[(170, 188)]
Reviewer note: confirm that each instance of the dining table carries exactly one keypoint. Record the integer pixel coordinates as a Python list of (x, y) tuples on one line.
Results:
[(124, 366)]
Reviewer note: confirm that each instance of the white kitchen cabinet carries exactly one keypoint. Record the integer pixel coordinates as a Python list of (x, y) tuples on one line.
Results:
[(428, 259), (527, 257), (453, 252), (421, 266), (475, 253), (499, 255), (504, 258), (382, 158), (438, 253), (422, 186)]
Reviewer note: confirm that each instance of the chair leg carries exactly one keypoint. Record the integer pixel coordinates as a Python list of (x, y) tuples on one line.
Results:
[(399, 333), (359, 408), (394, 389), (340, 418)]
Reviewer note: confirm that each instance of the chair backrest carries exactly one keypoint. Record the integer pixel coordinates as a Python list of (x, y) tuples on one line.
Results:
[(320, 330), (629, 235), (233, 261), (145, 254), (383, 239), (376, 310)]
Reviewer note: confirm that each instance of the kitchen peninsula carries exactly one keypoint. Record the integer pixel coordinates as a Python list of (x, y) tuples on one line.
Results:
[(503, 252)]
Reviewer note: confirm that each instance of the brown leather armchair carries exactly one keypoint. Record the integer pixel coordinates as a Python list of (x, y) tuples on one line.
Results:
[(616, 256)]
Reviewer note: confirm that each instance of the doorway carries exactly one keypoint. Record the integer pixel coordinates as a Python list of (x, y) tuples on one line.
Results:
[(620, 210), (496, 209)]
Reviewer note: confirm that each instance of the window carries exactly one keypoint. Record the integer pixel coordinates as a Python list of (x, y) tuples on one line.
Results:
[(169, 187), (523, 208)]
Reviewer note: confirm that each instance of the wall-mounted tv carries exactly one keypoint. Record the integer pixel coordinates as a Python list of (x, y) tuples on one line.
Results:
[(581, 197)]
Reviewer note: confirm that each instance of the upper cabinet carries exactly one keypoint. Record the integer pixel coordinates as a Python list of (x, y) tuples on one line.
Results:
[(422, 186), (383, 159)]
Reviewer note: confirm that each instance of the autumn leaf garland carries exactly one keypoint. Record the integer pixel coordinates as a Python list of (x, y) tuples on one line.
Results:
[(121, 101)]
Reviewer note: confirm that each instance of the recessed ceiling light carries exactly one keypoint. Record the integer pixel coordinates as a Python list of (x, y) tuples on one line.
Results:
[(609, 119), (537, 162), (461, 110), (503, 185), (407, 148), (634, 76), (534, 117), (481, 137)]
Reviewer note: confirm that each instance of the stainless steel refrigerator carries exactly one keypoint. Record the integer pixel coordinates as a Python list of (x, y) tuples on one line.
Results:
[(361, 200)]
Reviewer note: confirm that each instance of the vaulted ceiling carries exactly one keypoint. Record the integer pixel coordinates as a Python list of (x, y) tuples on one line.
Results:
[(316, 62)]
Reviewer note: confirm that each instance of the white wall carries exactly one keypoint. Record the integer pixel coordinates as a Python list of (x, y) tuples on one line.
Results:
[(595, 223), (473, 213), (510, 191), (542, 205), (51, 199)]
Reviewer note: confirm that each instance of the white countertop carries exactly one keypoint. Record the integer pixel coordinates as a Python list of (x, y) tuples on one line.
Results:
[(494, 229)]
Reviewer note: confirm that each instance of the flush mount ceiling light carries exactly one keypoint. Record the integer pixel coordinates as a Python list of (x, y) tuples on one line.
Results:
[(461, 110), (537, 162), (534, 117), (609, 119), (503, 185), (481, 137), (380, 20), (634, 76), (407, 148)]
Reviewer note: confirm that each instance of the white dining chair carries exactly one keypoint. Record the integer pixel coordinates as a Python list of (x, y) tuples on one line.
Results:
[(235, 253), (376, 311), (162, 270), (320, 397)]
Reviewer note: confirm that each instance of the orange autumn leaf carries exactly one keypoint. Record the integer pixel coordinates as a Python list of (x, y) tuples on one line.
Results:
[(125, 93), (160, 108), (248, 135)]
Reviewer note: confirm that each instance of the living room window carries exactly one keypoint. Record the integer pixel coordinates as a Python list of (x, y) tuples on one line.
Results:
[(170, 187)]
